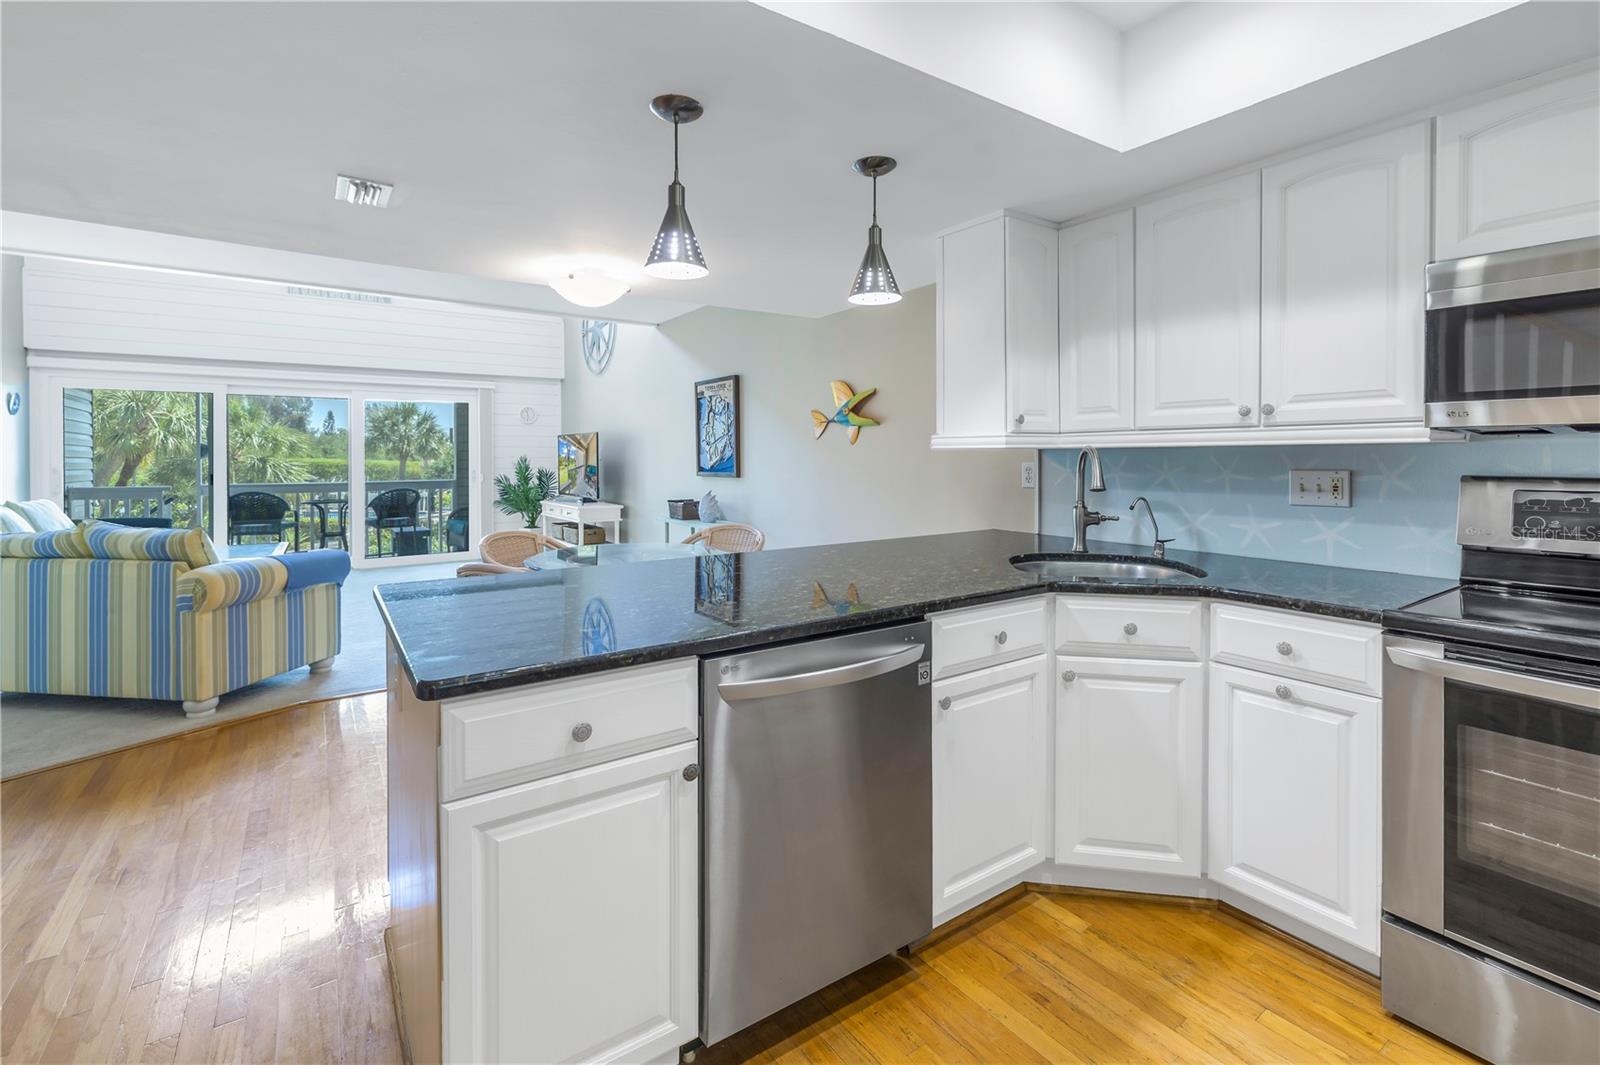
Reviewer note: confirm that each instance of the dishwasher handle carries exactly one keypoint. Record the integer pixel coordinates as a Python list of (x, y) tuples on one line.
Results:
[(734, 691)]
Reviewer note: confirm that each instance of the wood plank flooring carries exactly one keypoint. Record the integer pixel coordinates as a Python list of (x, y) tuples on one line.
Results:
[(220, 897), (216, 897)]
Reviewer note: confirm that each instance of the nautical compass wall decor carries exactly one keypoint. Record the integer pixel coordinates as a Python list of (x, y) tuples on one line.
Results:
[(599, 341)]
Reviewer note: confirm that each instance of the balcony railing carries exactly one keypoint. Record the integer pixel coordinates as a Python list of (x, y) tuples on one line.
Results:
[(302, 528)]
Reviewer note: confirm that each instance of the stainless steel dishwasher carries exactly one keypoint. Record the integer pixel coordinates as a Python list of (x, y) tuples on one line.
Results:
[(818, 844)]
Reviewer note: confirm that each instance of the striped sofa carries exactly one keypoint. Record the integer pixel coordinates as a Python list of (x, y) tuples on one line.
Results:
[(101, 609)]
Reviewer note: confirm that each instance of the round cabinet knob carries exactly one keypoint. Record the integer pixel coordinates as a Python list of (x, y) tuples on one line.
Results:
[(1285, 648), (1268, 410), (581, 732), (691, 772), (1068, 676), (1244, 410), (1131, 629), (944, 704), (1282, 691), (1000, 637), (1021, 418)]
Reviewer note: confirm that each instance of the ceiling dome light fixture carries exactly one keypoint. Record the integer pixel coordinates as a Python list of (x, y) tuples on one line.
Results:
[(588, 287), (875, 284), (676, 255)]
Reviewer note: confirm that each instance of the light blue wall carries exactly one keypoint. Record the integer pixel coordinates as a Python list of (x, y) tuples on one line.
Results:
[(1234, 500)]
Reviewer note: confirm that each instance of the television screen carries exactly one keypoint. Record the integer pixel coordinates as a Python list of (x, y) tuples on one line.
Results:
[(578, 465)]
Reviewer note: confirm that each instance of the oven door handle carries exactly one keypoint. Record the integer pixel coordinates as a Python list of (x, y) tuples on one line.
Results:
[(1425, 657)]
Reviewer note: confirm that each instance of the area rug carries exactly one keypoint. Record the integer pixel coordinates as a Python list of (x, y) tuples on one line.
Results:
[(39, 731)]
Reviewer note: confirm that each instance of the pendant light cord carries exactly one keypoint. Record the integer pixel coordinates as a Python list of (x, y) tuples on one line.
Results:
[(874, 199), (675, 148)]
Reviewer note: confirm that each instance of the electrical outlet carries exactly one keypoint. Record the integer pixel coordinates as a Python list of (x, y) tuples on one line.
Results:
[(1030, 475), (1320, 488)]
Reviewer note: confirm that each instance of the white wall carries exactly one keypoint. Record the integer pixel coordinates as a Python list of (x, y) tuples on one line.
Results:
[(13, 378), (797, 489)]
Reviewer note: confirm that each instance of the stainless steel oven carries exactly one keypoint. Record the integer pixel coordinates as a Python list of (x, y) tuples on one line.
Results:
[(1513, 340), (1491, 782)]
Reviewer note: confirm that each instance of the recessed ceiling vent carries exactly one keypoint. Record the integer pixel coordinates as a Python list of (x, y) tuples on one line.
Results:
[(363, 192)]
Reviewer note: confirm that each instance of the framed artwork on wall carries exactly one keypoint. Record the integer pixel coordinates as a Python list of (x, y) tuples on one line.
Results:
[(716, 427)]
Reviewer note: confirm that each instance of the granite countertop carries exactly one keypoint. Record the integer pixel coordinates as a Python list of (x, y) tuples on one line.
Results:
[(466, 635)]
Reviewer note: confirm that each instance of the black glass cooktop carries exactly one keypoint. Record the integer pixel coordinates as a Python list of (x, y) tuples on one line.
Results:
[(1544, 623)]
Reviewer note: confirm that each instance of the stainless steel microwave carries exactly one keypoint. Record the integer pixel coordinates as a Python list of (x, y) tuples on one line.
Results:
[(1513, 340)]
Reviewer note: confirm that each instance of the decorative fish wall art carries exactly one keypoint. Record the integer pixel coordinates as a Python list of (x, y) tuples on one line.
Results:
[(846, 400)]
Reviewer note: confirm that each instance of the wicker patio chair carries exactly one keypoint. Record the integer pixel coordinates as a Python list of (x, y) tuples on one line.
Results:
[(731, 537)]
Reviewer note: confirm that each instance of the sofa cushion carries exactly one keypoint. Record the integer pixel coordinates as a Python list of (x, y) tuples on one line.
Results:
[(62, 543), (42, 515), (108, 540), (12, 521)]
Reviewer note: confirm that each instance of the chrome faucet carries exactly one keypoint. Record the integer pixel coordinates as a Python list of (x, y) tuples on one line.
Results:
[(1160, 548), (1082, 516)]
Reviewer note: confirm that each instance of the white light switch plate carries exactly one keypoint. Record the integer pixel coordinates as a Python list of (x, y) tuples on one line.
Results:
[(1320, 488), (1030, 475)]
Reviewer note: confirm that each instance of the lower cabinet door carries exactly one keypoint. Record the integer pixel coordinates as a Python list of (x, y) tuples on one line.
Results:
[(1130, 764), (991, 766), (1294, 800), (571, 915)]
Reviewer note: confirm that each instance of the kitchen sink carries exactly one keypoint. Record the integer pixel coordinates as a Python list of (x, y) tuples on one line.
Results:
[(1105, 568)]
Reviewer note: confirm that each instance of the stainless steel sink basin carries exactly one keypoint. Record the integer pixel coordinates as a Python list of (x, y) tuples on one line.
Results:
[(1092, 567)]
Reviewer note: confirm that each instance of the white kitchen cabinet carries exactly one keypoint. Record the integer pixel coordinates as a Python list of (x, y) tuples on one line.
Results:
[(1096, 324), (1130, 764), (1344, 243), (1197, 304), (998, 365), (1520, 169), (991, 765), (571, 915), (1293, 810)]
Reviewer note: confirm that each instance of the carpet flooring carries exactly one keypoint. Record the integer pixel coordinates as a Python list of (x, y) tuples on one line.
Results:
[(38, 731)]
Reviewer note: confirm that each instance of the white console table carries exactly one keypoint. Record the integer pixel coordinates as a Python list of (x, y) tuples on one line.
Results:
[(582, 514), (679, 529)]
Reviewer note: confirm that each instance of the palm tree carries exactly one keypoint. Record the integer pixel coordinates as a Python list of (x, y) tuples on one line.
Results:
[(133, 427), (262, 449), (406, 431)]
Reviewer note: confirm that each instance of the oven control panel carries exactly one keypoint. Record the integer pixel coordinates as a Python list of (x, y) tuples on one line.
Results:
[(1557, 517)]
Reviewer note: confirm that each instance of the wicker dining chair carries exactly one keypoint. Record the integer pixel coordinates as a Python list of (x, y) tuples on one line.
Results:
[(510, 547), (730, 536), (485, 569)]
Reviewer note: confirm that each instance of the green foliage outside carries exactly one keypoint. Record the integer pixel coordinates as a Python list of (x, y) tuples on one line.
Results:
[(149, 438)]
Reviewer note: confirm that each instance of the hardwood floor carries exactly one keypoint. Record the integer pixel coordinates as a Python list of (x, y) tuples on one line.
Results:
[(220, 897), (216, 897), (1069, 977)]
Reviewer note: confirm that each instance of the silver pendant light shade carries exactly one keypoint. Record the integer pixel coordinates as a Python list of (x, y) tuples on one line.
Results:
[(676, 254), (875, 284)]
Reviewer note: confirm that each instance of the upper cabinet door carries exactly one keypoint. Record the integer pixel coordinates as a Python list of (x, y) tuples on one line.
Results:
[(1198, 306), (1096, 306), (1033, 367), (1344, 242), (1519, 170), (972, 330)]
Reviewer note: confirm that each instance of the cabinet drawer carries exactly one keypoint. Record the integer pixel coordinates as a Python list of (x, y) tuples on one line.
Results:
[(1342, 654), (507, 737), (985, 636), (1105, 626)]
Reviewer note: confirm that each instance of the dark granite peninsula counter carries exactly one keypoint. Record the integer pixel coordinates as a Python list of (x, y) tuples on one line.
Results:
[(468, 635)]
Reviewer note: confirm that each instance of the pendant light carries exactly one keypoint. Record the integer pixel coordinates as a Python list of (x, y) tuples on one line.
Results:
[(676, 253), (875, 284)]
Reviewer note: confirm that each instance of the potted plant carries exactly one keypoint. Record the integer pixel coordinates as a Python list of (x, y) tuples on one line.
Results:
[(524, 492)]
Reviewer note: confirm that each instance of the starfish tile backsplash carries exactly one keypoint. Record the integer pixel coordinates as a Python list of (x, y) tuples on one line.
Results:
[(1235, 500)]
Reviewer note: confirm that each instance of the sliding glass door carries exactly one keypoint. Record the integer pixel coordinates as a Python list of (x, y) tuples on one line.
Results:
[(389, 473), (137, 456), (288, 472)]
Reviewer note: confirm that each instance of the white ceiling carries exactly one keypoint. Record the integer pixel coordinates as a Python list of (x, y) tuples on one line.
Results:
[(518, 133), (1126, 14)]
